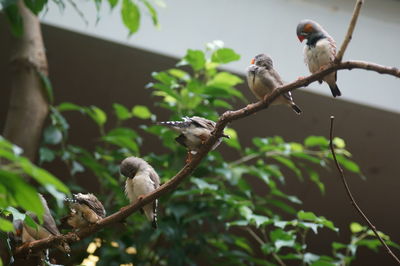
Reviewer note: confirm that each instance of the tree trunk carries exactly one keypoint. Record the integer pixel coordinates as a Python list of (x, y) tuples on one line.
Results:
[(28, 104)]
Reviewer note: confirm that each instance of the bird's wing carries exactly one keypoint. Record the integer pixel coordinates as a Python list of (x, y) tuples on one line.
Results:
[(93, 203), (48, 221), (272, 78), (155, 178), (203, 122)]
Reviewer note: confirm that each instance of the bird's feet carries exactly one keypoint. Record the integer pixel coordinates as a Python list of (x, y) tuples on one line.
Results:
[(322, 68), (300, 78), (140, 197), (189, 157)]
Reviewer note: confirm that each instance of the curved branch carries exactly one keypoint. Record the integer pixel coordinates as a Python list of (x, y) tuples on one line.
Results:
[(350, 195), (350, 30), (225, 118)]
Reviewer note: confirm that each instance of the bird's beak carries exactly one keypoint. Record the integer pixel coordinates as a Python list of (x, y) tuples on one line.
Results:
[(252, 61), (301, 38)]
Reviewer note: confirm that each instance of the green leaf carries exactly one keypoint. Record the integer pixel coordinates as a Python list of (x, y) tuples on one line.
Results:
[(52, 135), (98, 115), (309, 216), (152, 11), (46, 155), (348, 164), (23, 194), (224, 55), (338, 142), (49, 92), (233, 140), (113, 3), (290, 164), (15, 19), (35, 5), (141, 112), (67, 106), (6, 226), (130, 16), (356, 228), (122, 112), (123, 142), (224, 80), (337, 246), (203, 185), (195, 58), (313, 141)]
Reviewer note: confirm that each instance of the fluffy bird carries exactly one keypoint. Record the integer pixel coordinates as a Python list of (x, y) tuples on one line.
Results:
[(85, 209), (194, 132), (27, 234), (262, 79), (319, 51), (141, 180)]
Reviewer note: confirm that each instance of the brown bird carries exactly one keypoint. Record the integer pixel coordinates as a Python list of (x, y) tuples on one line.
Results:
[(319, 51), (262, 79), (195, 131), (141, 180), (85, 209)]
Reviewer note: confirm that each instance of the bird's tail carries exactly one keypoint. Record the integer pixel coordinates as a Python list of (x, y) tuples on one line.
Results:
[(174, 124), (335, 90), (295, 108)]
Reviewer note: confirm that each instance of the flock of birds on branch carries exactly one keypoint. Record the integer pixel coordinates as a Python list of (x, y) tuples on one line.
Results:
[(142, 179)]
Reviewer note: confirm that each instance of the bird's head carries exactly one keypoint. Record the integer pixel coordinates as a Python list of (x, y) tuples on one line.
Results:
[(262, 60), (307, 28), (131, 165)]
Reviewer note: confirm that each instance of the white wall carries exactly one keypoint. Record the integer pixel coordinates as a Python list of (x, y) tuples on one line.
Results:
[(255, 26)]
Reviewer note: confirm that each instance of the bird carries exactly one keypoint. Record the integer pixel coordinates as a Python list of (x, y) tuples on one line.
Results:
[(85, 209), (319, 51), (45, 230), (141, 180), (194, 132), (262, 79)]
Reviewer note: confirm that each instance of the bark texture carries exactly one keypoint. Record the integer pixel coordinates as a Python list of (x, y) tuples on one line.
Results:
[(28, 103)]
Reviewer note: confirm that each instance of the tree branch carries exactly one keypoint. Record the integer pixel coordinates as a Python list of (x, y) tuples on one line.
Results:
[(350, 30), (225, 118), (350, 195)]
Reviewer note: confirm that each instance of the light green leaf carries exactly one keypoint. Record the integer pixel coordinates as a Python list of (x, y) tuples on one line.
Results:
[(6, 226), (338, 142), (130, 16), (152, 11), (313, 141), (309, 216), (121, 111), (203, 185), (67, 106), (49, 92), (224, 80), (195, 58), (113, 3), (141, 112), (52, 135), (224, 55), (356, 227)]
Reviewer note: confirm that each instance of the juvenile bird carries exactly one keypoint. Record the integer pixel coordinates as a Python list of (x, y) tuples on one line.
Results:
[(48, 228), (194, 132), (85, 209), (319, 51), (262, 79), (141, 180)]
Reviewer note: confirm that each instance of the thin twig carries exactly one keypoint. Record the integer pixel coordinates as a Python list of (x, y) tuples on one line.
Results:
[(352, 200), (223, 121), (261, 242), (350, 30)]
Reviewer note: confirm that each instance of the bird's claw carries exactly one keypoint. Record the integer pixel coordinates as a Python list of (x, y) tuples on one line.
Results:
[(300, 78)]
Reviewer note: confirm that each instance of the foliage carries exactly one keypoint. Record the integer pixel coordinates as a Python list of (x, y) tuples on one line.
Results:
[(130, 11), (215, 216)]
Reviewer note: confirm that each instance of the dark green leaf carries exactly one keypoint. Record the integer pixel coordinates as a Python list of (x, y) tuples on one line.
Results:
[(113, 3), (46, 155), (15, 19), (52, 135), (49, 92), (130, 16)]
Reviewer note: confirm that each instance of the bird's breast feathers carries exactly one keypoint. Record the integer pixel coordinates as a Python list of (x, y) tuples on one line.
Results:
[(141, 184), (319, 55)]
